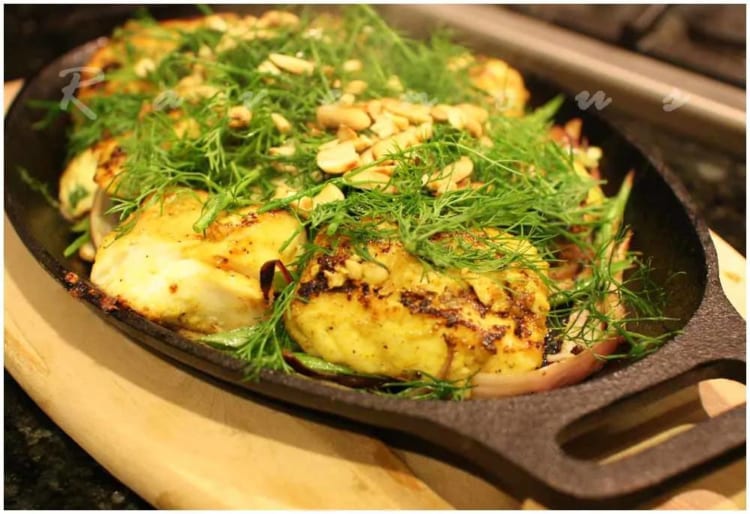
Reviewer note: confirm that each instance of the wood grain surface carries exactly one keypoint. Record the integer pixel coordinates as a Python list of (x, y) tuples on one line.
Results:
[(183, 441)]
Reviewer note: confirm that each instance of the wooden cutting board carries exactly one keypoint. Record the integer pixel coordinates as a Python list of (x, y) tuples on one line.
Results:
[(181, 441)]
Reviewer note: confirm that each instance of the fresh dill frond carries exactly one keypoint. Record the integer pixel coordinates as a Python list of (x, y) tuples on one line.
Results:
[(38, 186), (527, 187), (82, 228), (204, 9), (77, 194), (427, 387), (52, 112), (115, 114), (263, 344)]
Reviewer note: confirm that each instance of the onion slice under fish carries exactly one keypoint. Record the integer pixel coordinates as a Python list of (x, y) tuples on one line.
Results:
[(564, 372), (559, 374), (101, 223)]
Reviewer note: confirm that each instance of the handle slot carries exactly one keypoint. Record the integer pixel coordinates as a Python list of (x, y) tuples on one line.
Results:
[(647, 418)]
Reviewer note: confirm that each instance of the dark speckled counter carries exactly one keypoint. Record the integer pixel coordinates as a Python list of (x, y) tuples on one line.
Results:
[(46, 469)]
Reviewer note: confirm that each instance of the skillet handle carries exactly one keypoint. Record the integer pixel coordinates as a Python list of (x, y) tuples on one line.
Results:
[(718, 317), (637, 478), (533, 427), (719, 322)]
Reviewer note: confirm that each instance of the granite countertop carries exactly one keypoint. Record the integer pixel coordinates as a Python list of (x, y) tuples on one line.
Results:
[(46, 469)]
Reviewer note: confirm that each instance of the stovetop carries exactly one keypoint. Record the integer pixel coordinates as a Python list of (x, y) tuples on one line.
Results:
[(707, 39)]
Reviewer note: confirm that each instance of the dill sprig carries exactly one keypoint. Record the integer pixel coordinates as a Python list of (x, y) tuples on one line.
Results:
[(115, 114), (84, 230), (529, 188), (37, 186), (428, 387), (261, 345)]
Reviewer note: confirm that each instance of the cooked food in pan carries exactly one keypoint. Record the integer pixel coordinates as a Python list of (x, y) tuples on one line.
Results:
[(318, 194)]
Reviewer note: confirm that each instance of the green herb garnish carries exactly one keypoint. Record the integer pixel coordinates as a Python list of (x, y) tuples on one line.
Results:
[(38, 186), (529, 187), (83, 228)]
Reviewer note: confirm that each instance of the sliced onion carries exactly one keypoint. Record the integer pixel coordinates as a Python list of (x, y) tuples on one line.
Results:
[(567, 371), (101, 223), (559, 374)]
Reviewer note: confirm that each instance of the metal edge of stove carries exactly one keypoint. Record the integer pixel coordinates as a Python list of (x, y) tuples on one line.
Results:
[(713, 112)]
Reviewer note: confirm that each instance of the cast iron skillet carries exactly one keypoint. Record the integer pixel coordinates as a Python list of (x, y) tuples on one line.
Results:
[(515, 441)]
